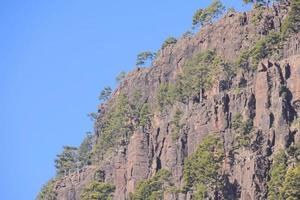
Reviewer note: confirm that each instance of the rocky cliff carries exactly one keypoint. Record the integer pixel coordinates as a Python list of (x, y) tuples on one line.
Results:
[(266, 96)]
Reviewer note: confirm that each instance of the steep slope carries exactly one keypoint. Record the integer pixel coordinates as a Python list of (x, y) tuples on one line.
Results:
[(249, 99)]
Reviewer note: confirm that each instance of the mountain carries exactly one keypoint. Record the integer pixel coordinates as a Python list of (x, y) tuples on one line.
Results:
[(215, 116)]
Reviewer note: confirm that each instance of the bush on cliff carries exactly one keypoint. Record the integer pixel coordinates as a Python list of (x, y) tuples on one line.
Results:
[(97, 191), (166, 95), (67, 162), (292, 22), (207, 15), (105, 94), (202, 169), (153, 188), (144, 57), (263, 48), (48, 191), (291, 184), (199, 73), (115, 124), (242, 129), (277, 175), (169, 41)]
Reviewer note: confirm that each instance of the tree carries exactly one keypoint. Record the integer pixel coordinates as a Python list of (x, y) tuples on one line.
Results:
[(105, 94), (48, 191), (198, 74), (277, 174), (143, 57), (153, 188), (202, 168), (291, 185), (67, 161), (84, 150), (98, 191), (207, 15), (292, 22), (92, 115), (169, 41), (121, 77)]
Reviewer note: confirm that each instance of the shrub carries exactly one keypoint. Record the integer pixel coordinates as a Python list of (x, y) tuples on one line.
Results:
[(143, 57), (121, 77), (97, 190), (202, 168), (153, 188), (207, 15), (48, 191), (169, 41), (166, 95), (140, 109), (85, 149), (277, 174), (93, 116), (292, 23), (115, 125), (242, 129), (265, 47), (198, 73), (67, 161), (105, 94), (291, 184), (175, 124)]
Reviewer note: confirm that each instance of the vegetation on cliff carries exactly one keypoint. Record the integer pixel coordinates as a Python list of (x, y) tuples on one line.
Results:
[(97, 190), (202, 169), (153, 188), (242, 129), (284, 175), (207, 15), (48, 191), (202, 173)]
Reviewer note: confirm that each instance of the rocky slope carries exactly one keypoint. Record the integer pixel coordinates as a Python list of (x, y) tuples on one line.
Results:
[(268, 96)]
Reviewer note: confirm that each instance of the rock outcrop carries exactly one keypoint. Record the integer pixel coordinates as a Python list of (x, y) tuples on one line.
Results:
[(269, 96)]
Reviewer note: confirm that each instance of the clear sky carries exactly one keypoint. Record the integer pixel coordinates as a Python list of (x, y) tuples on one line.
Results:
[(55, 57)]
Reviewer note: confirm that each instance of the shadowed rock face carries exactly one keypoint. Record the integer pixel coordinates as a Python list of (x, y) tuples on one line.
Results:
[(259, 98)]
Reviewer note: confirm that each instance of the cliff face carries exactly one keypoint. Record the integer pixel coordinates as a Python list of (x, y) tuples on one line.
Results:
[(252, 94)]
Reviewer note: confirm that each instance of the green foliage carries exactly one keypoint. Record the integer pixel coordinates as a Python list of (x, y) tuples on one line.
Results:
[(121, 77), (207, 15), (105, 94), (166, 95), (198, 73), (93, 116), (144, 115), (140, 110), (277, 175), (256, 2), (202, 168), (48, 191), (292, 23), (97, 191), (169, 41), (291, 184), (67, 161), (258, 15), (242, 129), (84, 150), (115, 124), (143, 57), (153, 188), (263, 48), (175, 124)]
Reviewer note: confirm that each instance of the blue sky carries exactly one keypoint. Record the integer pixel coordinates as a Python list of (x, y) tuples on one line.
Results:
[(55, 57)]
